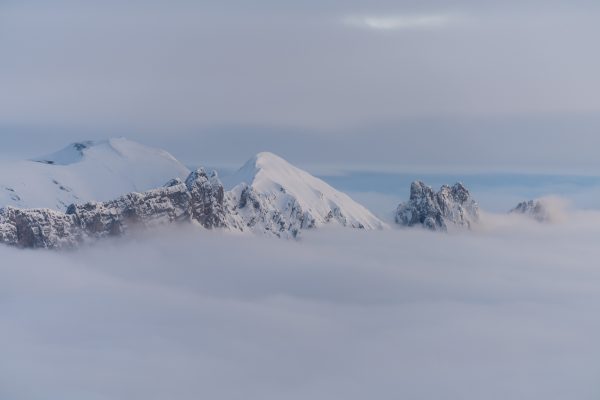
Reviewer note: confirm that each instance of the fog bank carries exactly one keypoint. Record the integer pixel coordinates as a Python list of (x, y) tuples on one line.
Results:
[(508, 312)]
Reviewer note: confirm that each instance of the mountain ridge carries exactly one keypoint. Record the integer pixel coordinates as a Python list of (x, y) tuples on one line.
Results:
[(278, 199)]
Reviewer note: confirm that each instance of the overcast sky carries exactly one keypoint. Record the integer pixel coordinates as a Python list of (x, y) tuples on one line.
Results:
[(437, 84)]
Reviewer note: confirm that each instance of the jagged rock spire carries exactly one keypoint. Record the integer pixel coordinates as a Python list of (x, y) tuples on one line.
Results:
[(207, 198), (452, 205)]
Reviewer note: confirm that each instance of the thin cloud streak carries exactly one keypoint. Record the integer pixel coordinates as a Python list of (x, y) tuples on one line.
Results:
[(400, 22)]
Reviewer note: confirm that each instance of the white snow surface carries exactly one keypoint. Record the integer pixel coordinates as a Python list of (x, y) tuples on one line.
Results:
[(86, 171), (281, 183)]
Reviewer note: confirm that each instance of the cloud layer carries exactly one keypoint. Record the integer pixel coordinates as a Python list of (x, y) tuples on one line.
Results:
[(504, 313)]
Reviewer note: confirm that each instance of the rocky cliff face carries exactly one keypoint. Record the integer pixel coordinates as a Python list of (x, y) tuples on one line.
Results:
[(207, 199), (132, 211), (270, 214), (34, 228), (200, 199), (450, 206)]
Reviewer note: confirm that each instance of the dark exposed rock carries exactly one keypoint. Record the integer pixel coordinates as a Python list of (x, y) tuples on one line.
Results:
[(275, 215), (115, 217), (38, 228), (437, 210), (207, 199), (173, 182), (535, 209)]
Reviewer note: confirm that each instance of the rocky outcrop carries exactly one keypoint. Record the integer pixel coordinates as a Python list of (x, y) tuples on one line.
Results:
[(133, 211), (207, 197), (280, 215), (536, 209), (450, 206), (34, 228), (200, 199)]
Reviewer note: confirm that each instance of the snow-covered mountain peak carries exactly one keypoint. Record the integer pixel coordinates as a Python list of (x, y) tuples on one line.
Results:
[(267, 171), (258, 168), (71, 154), (98, 149), (266, 157), (85, 171), (138, 152), (282, 184)]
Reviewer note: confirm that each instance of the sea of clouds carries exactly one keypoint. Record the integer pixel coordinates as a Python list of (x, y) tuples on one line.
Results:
[(509, 311)]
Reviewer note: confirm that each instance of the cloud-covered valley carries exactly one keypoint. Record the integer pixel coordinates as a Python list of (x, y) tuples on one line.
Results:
[(508, 312)]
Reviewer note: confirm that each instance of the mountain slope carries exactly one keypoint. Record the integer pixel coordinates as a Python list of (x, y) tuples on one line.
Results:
[(86, 171), (270, 193), (201, 200), (269, 197)]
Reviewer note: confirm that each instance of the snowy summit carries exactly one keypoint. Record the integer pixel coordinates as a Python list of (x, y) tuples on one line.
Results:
[(304, 199), (86, 171)]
